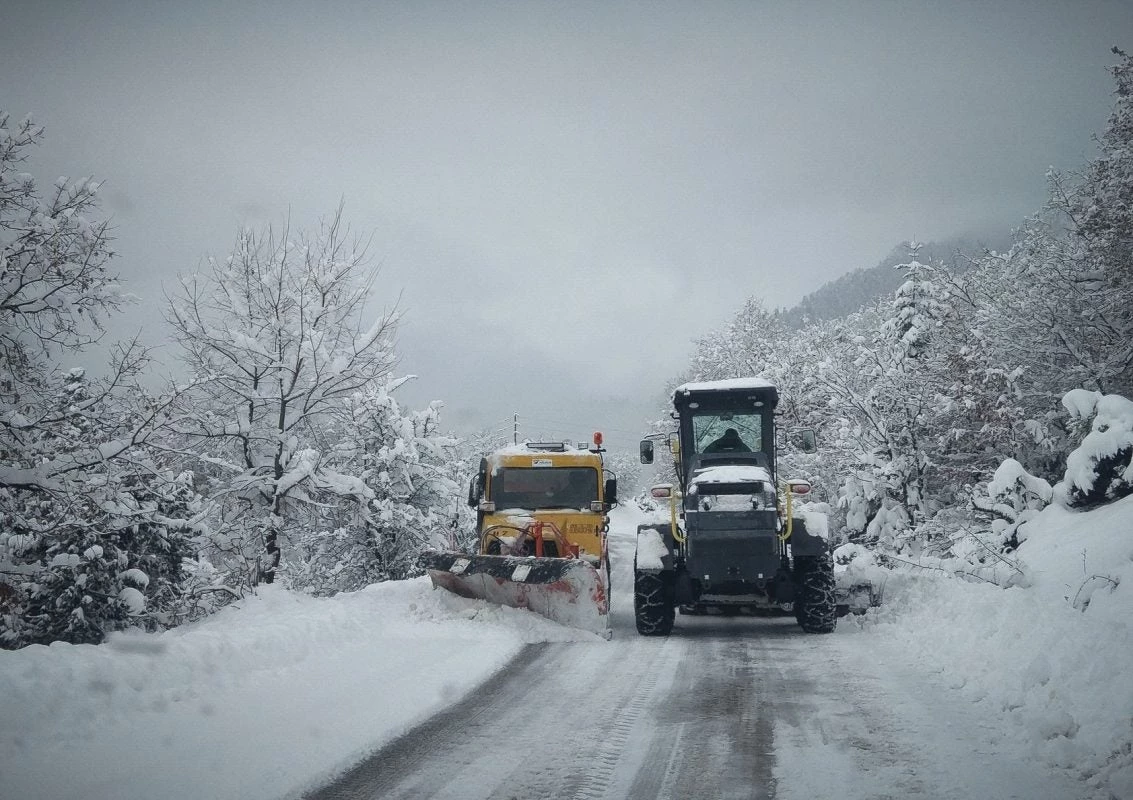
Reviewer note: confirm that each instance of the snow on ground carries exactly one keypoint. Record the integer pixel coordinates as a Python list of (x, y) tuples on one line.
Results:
[(1049, 661), (274, 696), (262, 700)]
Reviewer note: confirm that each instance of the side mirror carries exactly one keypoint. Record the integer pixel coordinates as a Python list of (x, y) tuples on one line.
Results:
[(646, 449), (475, 490), (611, 491), (808, 443)]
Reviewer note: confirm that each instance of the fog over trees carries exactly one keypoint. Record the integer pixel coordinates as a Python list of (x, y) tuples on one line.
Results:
[(947, 411)]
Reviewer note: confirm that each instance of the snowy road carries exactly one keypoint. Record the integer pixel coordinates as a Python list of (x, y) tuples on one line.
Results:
[(724, 708)]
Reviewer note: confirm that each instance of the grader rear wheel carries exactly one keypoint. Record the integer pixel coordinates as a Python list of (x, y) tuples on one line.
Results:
[(652, 605), (815, 607)]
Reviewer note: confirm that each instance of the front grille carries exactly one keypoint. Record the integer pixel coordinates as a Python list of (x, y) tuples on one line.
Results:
[(732, 555), (752, 521)]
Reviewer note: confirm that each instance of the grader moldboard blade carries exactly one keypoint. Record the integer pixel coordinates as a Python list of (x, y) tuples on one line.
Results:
[(857, 598), (569, 591)]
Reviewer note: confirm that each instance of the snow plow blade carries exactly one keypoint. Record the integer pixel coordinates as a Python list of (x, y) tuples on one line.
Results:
[(567, 590)]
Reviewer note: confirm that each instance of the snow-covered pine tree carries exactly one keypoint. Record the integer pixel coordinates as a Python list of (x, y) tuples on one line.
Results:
[(1100, 469), (919, 306)]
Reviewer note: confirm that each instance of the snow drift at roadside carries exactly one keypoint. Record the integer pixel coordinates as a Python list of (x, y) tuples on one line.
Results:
[(1050, 657), (254, 702)]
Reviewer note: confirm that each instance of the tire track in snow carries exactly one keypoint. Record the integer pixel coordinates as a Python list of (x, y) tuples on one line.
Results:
[(713, 736), (627, 719), (400, 766)]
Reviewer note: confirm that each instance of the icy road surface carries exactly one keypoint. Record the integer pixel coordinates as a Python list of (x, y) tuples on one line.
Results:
[(727, 707)]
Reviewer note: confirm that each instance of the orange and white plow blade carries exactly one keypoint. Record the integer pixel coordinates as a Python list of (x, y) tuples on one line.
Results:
[(569, 591)]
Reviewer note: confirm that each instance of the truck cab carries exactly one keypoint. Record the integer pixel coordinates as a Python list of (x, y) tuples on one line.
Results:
[(563, 486)]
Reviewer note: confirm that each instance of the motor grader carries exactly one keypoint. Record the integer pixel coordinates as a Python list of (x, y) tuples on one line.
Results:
[(541, 520), (733, 541)]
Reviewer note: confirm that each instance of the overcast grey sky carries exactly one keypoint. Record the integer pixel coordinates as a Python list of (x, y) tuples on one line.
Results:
[(563, 194)]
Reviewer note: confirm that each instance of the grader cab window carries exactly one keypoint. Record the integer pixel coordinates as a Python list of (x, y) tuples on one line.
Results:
[(727, 432), (533, 488)]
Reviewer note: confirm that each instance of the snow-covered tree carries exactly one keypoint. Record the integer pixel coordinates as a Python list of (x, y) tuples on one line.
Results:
[(1102, 207), (411, 497), (746, 345), (273, 337), (885, 408), (92, 533), (626, 465), (293, 418), (1059, 304), (919, 307)]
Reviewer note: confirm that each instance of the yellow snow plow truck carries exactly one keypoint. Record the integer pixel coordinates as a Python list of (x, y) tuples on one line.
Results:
[(541, 510)]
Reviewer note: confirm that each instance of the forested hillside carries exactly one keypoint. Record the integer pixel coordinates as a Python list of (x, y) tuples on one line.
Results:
[(861, 287)]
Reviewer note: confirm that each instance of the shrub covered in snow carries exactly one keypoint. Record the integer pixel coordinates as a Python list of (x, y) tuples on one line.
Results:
[(113, 562), (1013, 497), (1100, 469)]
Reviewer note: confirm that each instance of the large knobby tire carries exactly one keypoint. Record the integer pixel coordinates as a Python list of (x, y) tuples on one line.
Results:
[(652, 606), (815, 608)]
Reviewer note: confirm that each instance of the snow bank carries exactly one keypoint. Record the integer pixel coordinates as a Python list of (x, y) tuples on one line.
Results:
[(263, 700), (1052, 658)]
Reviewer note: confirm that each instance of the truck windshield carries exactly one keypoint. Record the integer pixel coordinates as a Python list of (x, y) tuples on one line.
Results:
[(727, 432), (541, 487)]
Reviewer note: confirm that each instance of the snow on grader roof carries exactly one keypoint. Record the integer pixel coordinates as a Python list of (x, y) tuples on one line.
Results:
[(731, 473), (727, 383)]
